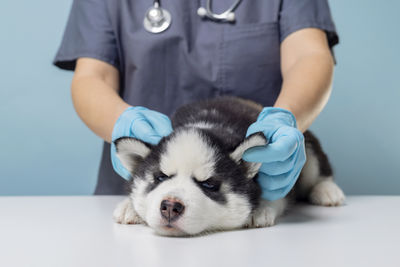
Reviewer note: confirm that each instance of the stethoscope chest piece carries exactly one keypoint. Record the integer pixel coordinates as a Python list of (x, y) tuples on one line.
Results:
[(156, 19)]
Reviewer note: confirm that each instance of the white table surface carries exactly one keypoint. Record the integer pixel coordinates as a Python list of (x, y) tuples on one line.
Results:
[(79, 231)]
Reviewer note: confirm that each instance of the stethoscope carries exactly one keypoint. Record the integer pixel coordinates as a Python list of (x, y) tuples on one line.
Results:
[(157, 19)]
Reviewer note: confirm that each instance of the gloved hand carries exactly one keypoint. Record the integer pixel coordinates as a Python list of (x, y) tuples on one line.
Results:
[(142, 123), (284, 155)]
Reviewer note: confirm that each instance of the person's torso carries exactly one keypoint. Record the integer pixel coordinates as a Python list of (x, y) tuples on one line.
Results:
[(197, 58)]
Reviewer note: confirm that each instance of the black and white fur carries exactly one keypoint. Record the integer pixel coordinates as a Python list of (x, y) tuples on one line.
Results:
[(194, 180)]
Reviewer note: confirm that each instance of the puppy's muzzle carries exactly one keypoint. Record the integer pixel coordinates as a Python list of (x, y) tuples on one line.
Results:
[(171, 209)]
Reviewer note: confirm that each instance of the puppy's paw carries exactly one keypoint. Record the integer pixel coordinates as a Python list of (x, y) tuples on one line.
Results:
[(327, 193), (124, 213), (266, 214), (264, 217)]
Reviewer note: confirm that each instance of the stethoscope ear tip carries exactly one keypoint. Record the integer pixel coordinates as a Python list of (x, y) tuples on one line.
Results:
[(202, 12), (230, 17)]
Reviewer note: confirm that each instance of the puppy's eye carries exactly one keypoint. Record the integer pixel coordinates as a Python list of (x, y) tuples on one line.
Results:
[(161, 177), (211, 185)]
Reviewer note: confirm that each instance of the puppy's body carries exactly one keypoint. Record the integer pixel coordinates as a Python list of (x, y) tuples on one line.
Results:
[(194, 180)]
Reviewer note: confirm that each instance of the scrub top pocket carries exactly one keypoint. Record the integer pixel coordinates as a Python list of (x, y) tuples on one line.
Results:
[(249, 62)]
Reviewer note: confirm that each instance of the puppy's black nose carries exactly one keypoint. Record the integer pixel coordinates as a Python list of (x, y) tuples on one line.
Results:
[(171, 209)]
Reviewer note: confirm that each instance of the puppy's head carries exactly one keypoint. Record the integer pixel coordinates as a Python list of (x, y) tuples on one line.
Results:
[(189, 183)]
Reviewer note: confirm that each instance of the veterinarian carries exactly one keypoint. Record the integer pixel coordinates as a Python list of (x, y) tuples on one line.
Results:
[(136, 61)]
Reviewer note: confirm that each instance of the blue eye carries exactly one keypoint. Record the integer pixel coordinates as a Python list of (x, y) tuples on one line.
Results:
[(161, 177), (211, 184), (207, 185)]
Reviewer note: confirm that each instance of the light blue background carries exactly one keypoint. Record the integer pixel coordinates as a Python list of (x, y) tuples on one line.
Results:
[(46, 150)]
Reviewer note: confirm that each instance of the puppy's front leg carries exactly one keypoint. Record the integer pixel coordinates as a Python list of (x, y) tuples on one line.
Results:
[(125, 213), (266, 213)]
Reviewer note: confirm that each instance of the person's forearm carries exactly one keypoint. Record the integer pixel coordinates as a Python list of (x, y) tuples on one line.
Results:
[(97, 104), (306, 87)]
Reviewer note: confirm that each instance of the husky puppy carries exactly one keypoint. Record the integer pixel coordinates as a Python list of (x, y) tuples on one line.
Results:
[(194, 180)]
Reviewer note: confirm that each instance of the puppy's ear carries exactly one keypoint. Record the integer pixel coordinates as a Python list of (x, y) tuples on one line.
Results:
[(255, 139), (131, 151)]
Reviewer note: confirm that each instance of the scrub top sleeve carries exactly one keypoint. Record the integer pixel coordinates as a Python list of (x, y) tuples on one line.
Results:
[(298, 14), (88, 33)]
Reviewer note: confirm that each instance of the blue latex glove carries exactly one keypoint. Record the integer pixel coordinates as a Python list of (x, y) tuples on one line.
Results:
[(142, 123), (284, 155)]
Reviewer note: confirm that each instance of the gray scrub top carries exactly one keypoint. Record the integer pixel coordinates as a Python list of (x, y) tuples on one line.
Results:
[(193, 59)]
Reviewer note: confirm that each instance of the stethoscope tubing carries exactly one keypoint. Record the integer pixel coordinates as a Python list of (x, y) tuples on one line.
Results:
[(222, 16)]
